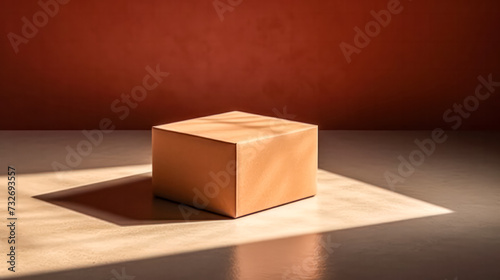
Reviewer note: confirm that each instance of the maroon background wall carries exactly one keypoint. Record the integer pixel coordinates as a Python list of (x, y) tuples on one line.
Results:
[(264, 55)]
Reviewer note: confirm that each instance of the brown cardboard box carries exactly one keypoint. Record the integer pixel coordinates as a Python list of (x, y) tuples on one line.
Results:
[(235, 163)]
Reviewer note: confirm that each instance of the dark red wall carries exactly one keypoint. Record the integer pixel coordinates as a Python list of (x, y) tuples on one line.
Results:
[(264, 55)]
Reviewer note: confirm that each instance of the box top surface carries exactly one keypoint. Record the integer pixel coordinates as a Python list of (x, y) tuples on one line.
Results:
[(236, 127)]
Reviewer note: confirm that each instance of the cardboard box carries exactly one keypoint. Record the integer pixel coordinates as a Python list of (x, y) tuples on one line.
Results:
[(235, 163)]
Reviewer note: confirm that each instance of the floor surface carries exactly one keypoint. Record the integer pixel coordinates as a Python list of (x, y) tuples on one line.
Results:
[(98, 219)]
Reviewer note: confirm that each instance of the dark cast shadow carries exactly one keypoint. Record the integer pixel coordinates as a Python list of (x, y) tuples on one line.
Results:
[(126, 201)]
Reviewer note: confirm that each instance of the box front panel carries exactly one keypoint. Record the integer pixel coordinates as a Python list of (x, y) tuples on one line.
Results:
[(196, 171), (276, 170)]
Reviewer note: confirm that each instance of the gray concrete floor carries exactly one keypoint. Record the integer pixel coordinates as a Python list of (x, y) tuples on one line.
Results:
[(97, 220)]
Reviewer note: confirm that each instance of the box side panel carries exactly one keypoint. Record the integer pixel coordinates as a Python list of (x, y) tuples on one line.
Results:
[(276, 170), (195, 171)]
